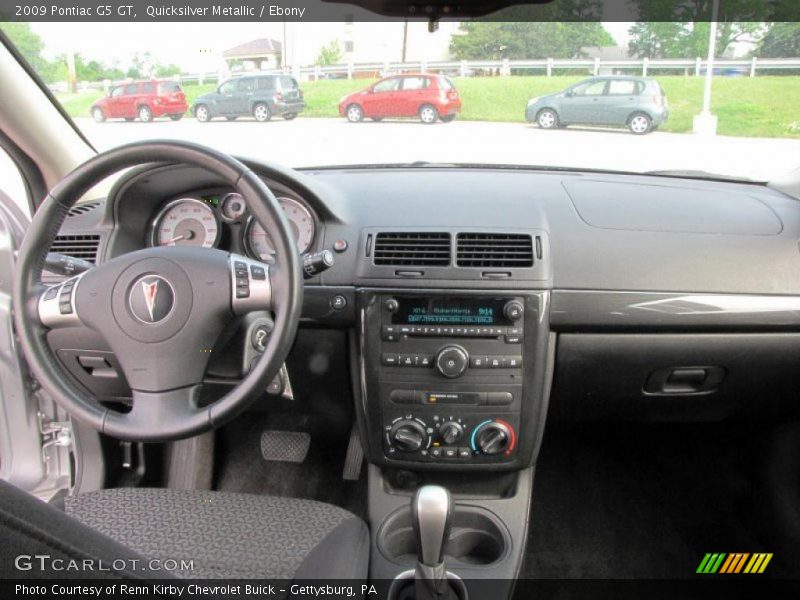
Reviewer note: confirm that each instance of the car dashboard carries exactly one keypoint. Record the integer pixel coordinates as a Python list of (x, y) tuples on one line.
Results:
[(477, 303)]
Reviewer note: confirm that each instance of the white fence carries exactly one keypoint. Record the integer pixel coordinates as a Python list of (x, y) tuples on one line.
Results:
[(546, 66)]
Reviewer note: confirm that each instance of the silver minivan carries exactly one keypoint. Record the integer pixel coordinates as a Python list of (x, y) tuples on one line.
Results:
[(638, 103)]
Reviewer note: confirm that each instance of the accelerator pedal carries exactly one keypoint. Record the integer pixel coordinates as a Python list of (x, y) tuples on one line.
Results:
[(354, 457)]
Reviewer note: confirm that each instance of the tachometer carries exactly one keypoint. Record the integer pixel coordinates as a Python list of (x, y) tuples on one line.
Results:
[(185, 222), (258, 241)]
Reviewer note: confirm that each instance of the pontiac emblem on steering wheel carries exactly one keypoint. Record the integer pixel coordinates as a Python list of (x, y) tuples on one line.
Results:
[(151, 299)]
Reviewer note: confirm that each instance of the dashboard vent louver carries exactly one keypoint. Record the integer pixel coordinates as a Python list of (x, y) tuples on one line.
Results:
[(494, 250), (77, 246), (82, 209), (412, 249)]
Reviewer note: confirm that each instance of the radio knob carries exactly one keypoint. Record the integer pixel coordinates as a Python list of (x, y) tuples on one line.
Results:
[(513, 310), (392, 305), (452, 361), (451, 432), (493, 438), (408, 436)]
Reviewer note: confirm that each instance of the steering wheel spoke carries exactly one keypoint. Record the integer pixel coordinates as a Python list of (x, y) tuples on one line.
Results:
[(162, 412), (57, 304)]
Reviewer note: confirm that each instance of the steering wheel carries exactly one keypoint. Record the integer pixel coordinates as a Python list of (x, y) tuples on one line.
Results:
[(160, 309)]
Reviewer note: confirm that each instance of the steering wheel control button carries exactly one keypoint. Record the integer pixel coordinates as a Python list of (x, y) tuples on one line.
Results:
[(151, 299), (57, 304), (338, 302), (252, 290)]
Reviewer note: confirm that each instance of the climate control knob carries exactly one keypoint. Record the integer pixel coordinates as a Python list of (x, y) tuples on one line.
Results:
[(493, 437), (451, 432), (408, 436), (452, 361)]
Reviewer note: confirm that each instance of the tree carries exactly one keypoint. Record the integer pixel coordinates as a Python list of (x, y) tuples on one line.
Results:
[(781, 41), (486, 40), (330, 54), (29, 44), (672, 39)]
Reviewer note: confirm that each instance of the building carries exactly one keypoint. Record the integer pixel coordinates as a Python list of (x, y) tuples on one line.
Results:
[(260, 54)]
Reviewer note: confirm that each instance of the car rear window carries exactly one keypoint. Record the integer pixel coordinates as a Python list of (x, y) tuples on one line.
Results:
[(446, 83), (168, 87), (288, 83)]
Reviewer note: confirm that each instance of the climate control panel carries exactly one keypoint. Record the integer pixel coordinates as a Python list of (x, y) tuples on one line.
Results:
[(450, 438)]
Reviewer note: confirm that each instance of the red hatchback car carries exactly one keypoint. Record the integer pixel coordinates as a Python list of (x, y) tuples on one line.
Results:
[(143, 99), (428, 97)]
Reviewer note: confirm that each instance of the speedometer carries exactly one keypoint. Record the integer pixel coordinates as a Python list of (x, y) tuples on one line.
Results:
[(259, 243), (185, 222)]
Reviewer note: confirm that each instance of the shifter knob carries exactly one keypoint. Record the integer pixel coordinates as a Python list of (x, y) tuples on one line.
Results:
[(431, 510)]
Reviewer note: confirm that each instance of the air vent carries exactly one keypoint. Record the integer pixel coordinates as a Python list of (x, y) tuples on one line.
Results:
[(494, 250), (82, 209), (77, 246), (412, 249)]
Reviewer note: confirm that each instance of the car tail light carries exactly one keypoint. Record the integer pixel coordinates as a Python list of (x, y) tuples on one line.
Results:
[(452, 95)]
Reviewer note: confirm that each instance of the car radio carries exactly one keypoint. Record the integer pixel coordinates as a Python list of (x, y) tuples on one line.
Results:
[(445, 375)]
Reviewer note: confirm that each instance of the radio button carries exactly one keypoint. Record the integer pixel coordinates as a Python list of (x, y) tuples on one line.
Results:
[(513, 339), (514, 331), (451, 452), (403, 396), (495, 362), (513, 362), (435, 452), (424, 361), (406, 360), (464, 453), (499, 398), (478, 362), (390, 360)]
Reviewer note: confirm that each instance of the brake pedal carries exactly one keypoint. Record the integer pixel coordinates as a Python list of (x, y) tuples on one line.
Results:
[(285, 446)]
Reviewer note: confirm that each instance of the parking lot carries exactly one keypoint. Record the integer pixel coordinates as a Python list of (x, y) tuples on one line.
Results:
[(310, 142)]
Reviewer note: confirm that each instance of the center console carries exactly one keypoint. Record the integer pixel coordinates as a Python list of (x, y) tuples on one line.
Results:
[(453, 380)]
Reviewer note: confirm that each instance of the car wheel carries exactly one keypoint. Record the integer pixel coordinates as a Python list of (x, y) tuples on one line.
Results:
[(176, 117), (145, 114), (98, 114), (355, 114), (201, 113), (262, 113), (428, 114), (289, 116), (448, 118), (640, 123), (547, 119)]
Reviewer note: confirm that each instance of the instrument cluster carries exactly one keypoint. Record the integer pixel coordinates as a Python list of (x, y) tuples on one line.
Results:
[(204, 219)]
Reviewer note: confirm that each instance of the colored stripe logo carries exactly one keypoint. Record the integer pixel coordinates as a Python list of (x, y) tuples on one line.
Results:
[(737, 562)]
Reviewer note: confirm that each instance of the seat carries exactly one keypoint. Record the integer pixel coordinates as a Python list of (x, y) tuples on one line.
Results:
[(223, 535)]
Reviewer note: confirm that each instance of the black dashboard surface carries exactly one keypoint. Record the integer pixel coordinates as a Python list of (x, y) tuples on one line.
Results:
[(618, 233)]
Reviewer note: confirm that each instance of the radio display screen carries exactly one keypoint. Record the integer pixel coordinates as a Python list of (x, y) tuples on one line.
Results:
[(450, 311)]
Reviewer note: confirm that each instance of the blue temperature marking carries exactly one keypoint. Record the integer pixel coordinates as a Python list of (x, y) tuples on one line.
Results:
[(474, 431)]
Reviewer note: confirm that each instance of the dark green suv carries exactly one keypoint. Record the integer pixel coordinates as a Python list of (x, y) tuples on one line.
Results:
[(262, 96)]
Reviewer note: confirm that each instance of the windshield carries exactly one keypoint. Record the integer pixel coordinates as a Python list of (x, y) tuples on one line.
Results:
[(622, 96)]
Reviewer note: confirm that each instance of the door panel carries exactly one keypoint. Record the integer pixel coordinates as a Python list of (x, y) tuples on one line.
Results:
[(621, 99), (383, 101), (413, 94), (583, 103)]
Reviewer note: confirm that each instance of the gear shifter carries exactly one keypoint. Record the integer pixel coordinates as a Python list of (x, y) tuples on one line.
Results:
[(431, 510)]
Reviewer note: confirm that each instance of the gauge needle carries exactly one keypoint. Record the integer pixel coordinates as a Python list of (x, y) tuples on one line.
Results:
[(186, 236)]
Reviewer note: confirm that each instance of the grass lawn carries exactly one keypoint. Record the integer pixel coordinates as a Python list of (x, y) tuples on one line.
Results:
[(766, 106)]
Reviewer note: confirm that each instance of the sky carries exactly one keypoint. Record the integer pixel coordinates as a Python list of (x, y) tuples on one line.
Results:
[(195, 47)]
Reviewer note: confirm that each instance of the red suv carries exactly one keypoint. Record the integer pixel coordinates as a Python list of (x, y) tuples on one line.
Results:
[(429, 97), (143, 99)]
